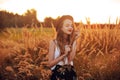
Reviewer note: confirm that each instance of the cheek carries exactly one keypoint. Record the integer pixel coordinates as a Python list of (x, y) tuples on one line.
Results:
[(63, 28)]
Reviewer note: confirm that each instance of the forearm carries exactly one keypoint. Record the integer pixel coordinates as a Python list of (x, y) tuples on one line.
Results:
[(55, 61), (70, 57)]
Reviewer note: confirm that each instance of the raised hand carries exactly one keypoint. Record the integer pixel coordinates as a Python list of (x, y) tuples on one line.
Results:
[(67, 49)]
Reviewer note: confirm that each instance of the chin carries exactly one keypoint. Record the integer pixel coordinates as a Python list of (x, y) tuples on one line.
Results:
[(69, 33)]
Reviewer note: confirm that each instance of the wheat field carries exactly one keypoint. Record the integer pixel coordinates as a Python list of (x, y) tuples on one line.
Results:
[(23, 53)]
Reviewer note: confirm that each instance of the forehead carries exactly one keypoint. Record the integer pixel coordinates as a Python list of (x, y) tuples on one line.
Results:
[(67, 21)]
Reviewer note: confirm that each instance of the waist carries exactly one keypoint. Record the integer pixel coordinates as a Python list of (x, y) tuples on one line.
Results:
[(61, 63), (63, 67)]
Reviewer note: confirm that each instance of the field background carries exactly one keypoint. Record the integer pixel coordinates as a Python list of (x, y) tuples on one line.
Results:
[(23, 53)]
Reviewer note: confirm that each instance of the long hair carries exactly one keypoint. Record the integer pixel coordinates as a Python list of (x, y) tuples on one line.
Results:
[(60, 34)]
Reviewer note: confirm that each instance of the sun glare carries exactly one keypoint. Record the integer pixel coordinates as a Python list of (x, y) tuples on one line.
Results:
[(17, 6), (99, 11)]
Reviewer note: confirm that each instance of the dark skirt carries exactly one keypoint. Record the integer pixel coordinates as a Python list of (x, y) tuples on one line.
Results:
[(65, 72)]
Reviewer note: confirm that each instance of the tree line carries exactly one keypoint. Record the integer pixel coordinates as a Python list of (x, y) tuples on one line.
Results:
[(29, 18)]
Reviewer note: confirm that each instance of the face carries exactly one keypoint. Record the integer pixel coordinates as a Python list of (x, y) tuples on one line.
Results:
[(67, 26)]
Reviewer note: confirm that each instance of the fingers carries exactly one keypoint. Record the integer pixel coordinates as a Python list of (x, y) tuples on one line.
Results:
[(67, 48), (77, 33)]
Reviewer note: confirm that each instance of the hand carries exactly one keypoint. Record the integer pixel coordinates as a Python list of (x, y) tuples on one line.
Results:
[(77, 33), (67, 49)]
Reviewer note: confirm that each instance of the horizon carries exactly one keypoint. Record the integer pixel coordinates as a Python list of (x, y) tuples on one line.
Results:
[(100, 11)]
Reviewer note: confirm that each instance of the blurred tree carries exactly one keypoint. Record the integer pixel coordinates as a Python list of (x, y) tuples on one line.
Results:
[(48, 21), (30, 17), (8, 19)]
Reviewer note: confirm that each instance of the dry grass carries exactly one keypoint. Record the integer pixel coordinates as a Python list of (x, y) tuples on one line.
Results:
[(23, 53)]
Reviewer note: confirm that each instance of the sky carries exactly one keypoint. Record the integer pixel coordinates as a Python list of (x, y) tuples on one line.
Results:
[(99, 11)]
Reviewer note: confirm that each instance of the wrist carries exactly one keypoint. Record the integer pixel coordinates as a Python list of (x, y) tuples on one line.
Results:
[(64, 55)]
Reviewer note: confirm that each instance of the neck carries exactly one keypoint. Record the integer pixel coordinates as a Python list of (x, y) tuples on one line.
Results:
[(65, 39), (65, 36)]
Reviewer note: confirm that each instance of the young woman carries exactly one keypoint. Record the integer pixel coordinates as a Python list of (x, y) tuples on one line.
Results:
[(62, 50)]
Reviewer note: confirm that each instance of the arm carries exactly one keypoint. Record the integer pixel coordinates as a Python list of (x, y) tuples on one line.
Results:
[(51, 60)]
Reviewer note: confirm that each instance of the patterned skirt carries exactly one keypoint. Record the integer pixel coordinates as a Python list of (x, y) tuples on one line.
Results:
[(65, 72)]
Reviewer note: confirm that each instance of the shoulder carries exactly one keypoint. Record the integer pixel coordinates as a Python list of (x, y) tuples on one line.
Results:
[(52, 43)]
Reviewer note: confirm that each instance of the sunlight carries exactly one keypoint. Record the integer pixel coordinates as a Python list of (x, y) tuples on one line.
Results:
[(96, 10), (18, 6)]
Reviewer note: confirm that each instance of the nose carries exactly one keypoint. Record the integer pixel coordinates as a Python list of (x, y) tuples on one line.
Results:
[(70, 27)]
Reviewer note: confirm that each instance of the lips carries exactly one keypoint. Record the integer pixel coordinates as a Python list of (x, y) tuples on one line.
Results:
[(70, 30)]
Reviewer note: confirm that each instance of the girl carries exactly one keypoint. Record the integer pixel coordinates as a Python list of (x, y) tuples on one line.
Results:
[(62, 50)]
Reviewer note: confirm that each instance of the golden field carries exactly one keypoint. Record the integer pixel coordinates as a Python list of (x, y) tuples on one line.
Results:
[(23, 53)]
